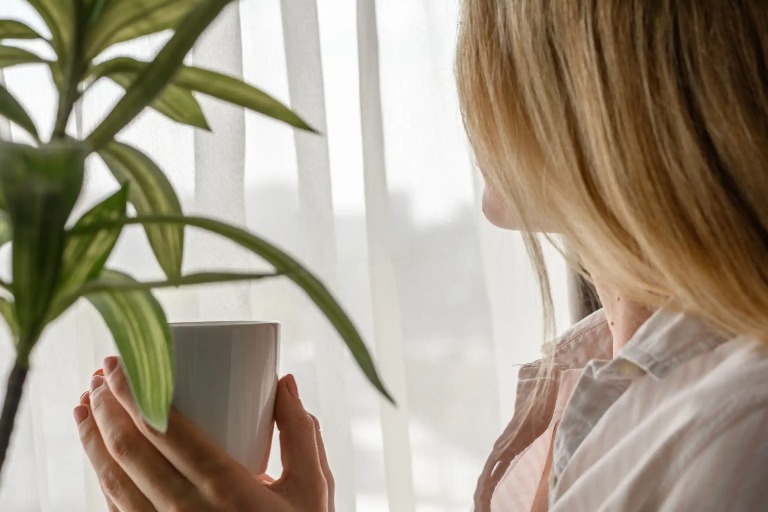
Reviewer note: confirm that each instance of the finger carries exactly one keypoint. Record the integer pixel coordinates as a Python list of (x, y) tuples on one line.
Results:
[(324, 464), (187, 448), (111, 507), (118, 489), (155, 477), (85, 400), (265, 479), (298, 448)]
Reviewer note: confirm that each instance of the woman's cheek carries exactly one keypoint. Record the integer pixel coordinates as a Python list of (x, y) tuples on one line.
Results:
[(496, 211)]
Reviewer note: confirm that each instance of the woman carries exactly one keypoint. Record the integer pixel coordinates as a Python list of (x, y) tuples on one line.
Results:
[(638, 131)]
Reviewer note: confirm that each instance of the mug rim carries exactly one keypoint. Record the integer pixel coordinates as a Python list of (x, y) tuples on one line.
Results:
[(224, 323)]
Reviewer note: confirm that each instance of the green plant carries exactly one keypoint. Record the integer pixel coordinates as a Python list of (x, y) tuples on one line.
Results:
[(54, 265)]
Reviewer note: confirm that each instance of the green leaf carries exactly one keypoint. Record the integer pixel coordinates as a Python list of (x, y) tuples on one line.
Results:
[(40, 186), (6, 233), (236, 91), (93, 10), (56, 74), (174, 102), (12, 110), (12, 29), (123, 20), (8, 310), (218, 85), (59, 16), (140, 329), (283, 264), (158, 74), (151, 193), (11, 56), (98, 286), (84, 257)]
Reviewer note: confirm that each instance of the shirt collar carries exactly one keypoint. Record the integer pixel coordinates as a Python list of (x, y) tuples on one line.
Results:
[(574, 348), (663, 342)]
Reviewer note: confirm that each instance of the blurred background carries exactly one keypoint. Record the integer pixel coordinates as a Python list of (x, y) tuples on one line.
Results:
[(385, 207)]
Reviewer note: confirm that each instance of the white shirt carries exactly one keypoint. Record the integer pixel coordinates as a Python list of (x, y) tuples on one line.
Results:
[(677, 421)]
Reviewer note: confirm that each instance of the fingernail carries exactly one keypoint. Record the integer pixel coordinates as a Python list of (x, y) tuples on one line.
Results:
[(82, 397), (110, 363), (80, 413), (290, 383), (100, 371), (96, 381)]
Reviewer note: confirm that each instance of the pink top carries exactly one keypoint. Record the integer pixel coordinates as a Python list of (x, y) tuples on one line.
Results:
[(677, 421)]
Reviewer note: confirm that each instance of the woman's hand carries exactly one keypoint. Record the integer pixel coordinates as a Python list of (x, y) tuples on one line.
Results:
[(140, 469)]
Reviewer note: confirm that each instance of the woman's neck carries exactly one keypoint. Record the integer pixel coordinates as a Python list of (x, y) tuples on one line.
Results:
[(624, 316)]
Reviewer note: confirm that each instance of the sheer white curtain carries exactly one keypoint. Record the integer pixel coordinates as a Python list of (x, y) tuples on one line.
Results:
[(384, 207)]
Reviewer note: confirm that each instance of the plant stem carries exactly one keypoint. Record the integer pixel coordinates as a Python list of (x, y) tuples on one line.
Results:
[(157, 74), (72, 75), (11, 406)]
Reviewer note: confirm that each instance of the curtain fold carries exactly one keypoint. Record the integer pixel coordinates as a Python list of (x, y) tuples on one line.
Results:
[(301, 36), (383, 206), (388, 332), (219, 166)]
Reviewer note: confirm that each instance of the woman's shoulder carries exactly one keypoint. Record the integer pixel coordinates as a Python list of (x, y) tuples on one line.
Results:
[(722, 466), (724, 386), (696, 397), (694, 383), (706, 437), (716, 388)]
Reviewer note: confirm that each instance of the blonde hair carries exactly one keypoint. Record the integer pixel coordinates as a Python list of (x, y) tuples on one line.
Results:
[(640, 129)]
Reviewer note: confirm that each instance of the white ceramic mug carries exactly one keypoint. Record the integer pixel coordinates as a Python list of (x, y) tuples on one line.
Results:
[(225, 382)]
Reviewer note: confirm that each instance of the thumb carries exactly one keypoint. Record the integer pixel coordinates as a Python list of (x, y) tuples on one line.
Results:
[(298, 448)]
